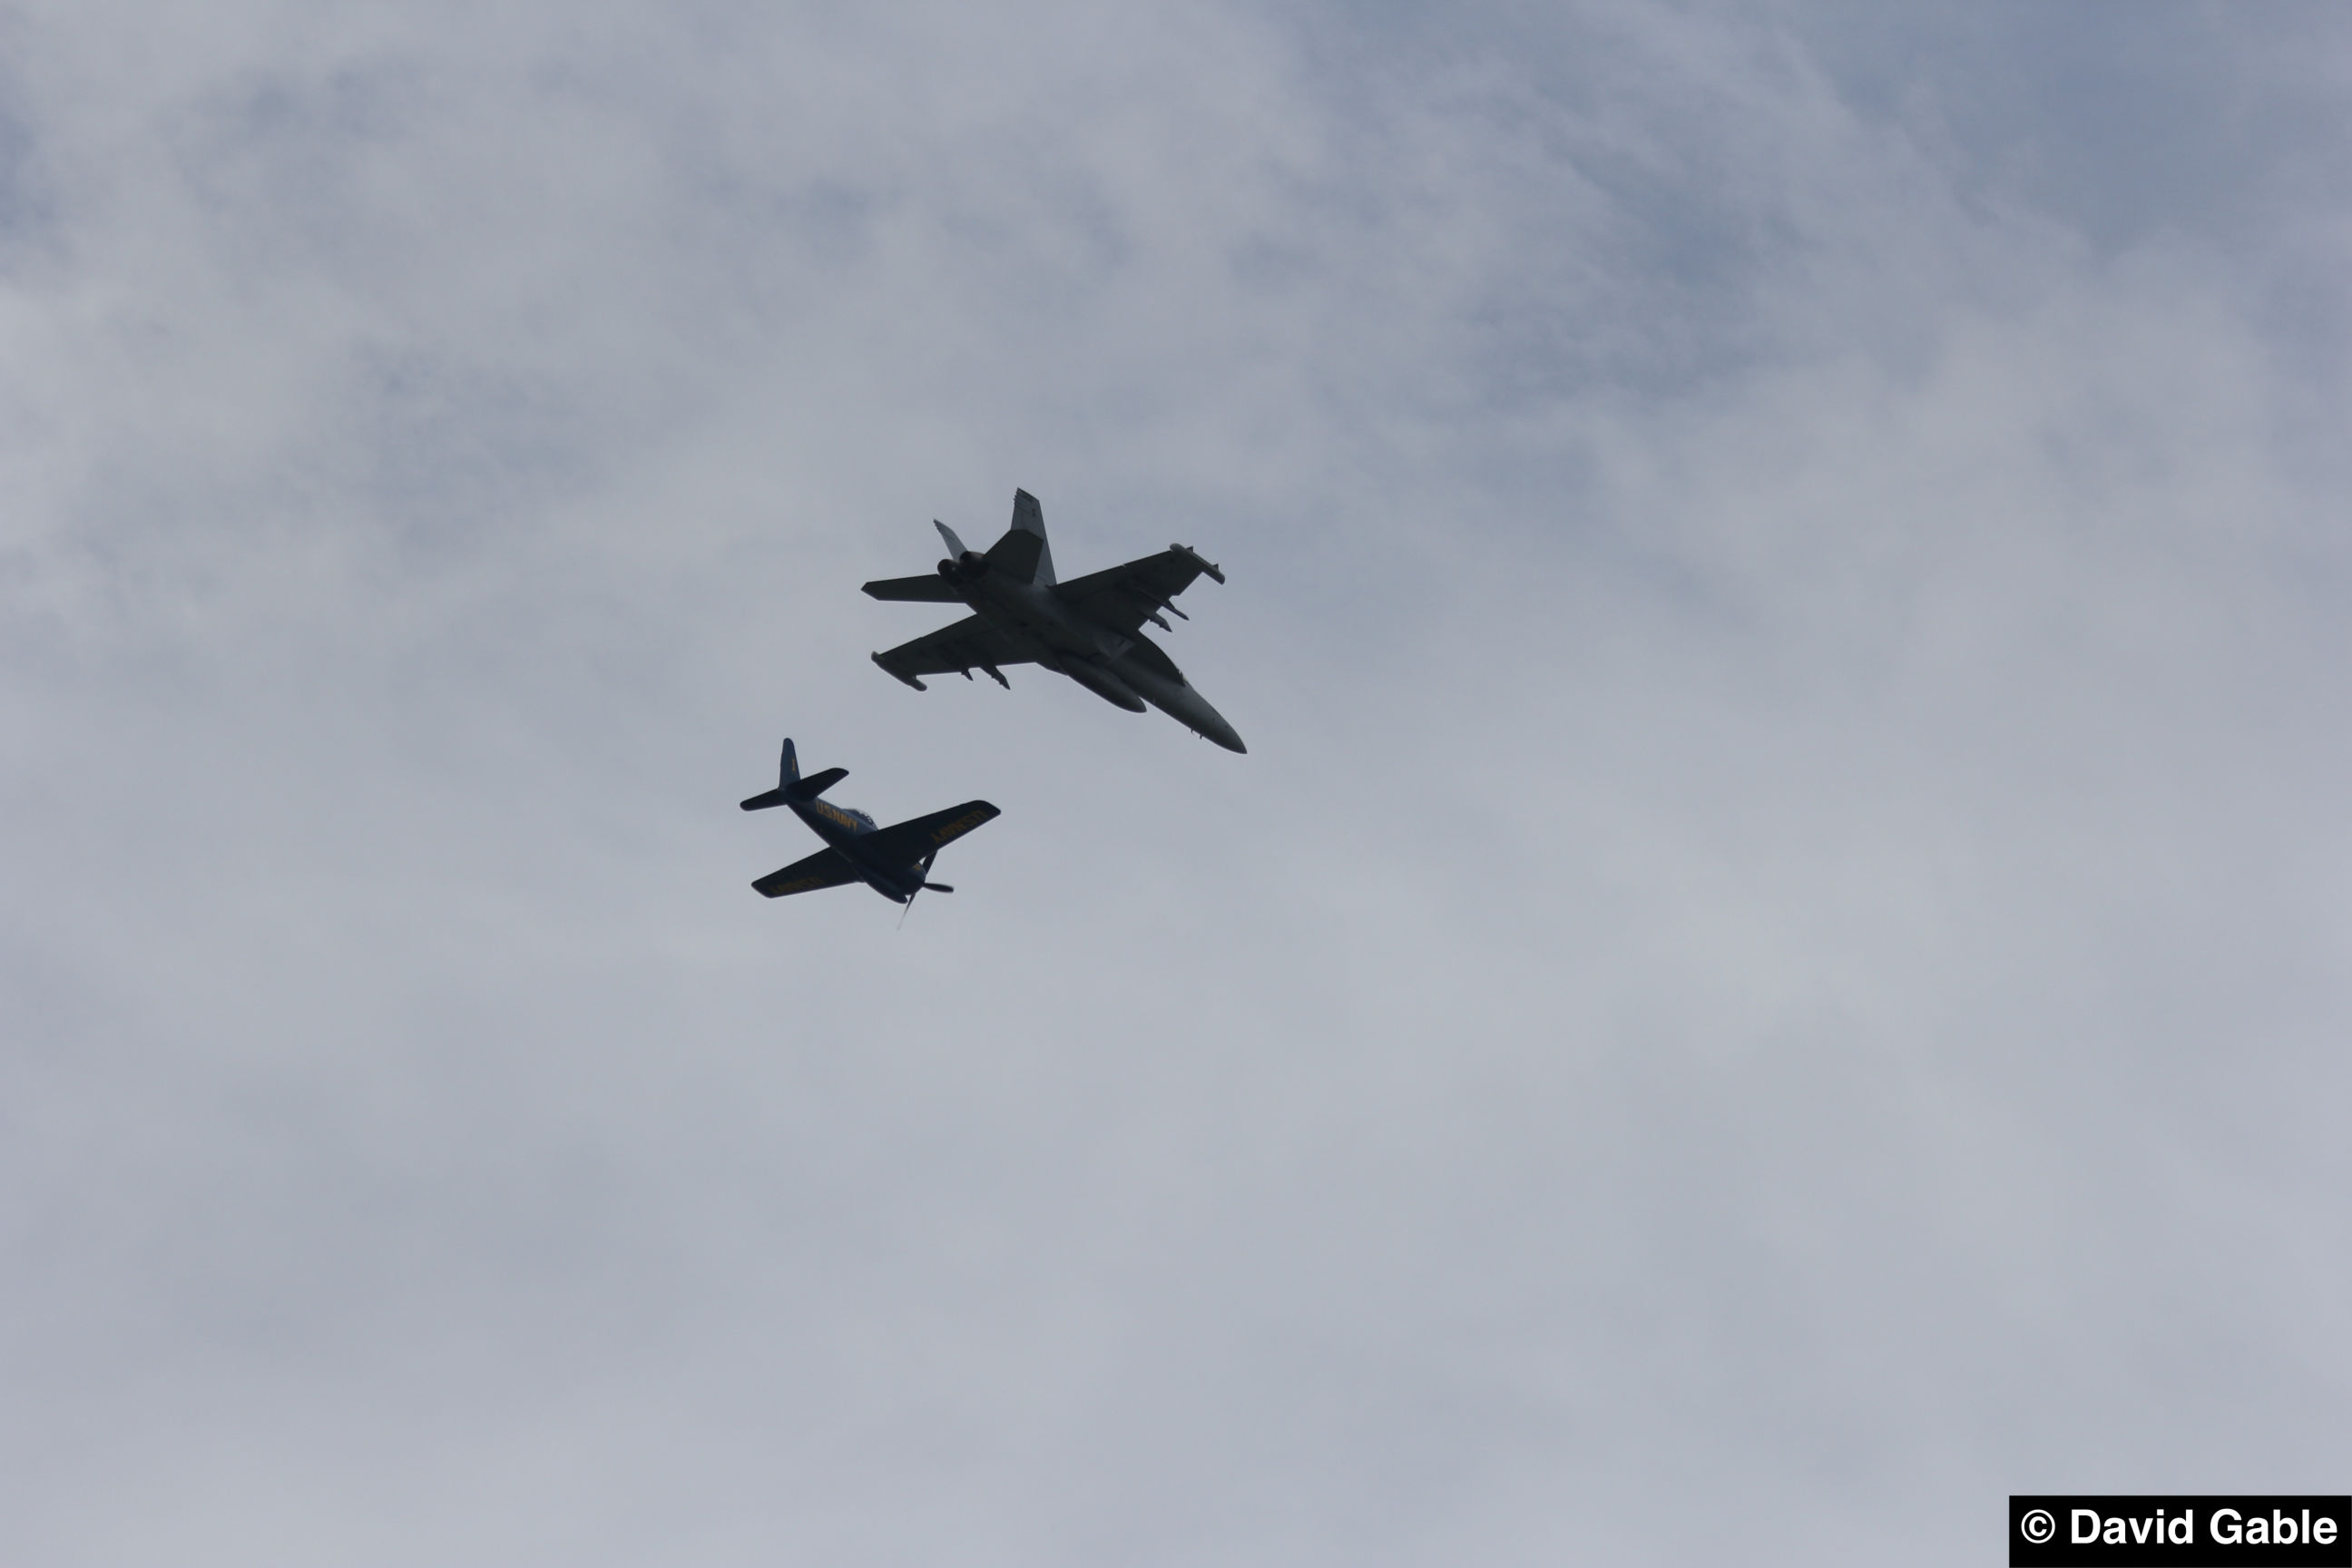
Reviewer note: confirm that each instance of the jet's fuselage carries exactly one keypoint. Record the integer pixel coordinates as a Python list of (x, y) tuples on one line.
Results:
[(1125, 671), (1031, 612)]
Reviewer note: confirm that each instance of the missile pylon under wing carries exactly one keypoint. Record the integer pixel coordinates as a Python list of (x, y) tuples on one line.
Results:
[(1090, 628)]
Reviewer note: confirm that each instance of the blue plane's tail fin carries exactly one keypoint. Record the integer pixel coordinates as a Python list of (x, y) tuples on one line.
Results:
[(790, 786)]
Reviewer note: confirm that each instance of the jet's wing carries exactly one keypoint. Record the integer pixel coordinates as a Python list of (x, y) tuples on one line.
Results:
[(1125, 596), (957, 650), (902, 844), (822, 869)]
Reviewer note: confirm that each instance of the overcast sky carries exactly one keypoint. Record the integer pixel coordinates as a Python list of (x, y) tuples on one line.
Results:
[(1777, 969)]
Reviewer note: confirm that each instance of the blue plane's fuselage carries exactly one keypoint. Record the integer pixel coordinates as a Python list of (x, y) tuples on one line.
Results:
[(893, 861), (841, 826)]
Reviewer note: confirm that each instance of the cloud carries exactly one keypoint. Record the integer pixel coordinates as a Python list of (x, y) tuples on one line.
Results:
[(1777, 941)]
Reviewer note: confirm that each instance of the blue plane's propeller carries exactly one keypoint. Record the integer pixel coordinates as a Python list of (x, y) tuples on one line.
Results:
[(934, 887)]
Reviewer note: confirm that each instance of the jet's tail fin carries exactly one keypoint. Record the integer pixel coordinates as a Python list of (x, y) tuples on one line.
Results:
[(1022, 553), (790, 786)]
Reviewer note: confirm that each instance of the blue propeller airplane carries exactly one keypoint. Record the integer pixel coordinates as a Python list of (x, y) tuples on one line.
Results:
[(893, 861)]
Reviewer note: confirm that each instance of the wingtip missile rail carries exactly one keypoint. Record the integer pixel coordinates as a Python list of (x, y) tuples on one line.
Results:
[(897, 676), (1197, 559)]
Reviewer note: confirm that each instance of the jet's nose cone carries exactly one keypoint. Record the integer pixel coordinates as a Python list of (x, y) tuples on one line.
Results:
[(1192, 709)]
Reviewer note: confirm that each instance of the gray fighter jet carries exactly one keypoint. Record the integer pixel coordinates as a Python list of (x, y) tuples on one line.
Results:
[(1089, 629), (893, 861)]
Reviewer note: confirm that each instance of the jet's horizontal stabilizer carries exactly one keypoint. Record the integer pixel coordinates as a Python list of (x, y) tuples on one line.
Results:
[(930, 589)]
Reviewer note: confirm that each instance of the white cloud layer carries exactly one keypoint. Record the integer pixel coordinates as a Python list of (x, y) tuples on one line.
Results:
[(1775, 971)]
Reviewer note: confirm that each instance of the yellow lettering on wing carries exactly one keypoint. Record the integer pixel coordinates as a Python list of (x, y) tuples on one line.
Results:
[(960, 827)]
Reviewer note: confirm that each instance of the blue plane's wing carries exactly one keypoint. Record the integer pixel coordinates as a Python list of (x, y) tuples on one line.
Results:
[(904, 844), (826, 869)]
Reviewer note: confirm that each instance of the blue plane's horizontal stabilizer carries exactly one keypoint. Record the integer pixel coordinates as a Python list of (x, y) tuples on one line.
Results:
[(808, 789)]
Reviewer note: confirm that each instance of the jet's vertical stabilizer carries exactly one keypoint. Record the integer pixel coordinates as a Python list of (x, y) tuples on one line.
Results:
[(788, 766), (1028, 520)]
